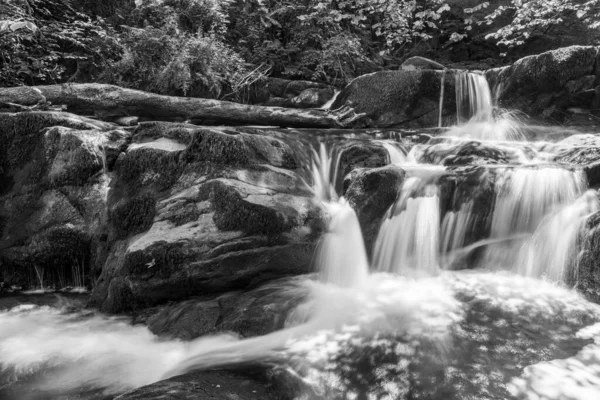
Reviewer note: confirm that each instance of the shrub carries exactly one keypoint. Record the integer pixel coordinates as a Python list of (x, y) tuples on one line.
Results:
[(42, 42)]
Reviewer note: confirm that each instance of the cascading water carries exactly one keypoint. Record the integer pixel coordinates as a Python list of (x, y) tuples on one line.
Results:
[(476, 114), (408, 240), (409, 327), (473, 98), (323, 174), (341, 257), (525, 197)]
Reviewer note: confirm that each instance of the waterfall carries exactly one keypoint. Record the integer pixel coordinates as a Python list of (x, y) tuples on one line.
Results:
[(397, 156), (341, 257), (551, 252), (323, 175), (546, 205), (408, 240), (473, 97), (441, 106), (476, 114)]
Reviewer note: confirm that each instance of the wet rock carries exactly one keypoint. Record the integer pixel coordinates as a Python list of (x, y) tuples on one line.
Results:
[(409, 98), (52, 196), (371, 192), (256, 383), (354, 155), (251, 313), (465, 153), (196, 211), (588, 272), (470, 188)]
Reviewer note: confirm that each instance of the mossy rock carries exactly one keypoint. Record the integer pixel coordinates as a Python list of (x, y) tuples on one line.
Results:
[(370, 193)]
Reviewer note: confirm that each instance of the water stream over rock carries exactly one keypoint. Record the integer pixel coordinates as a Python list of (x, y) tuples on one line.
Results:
[(464, 292)]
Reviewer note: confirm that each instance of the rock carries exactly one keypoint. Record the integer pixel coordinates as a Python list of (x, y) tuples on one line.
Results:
[(588, 272), (252, 313), (406, 97), (256, 383), (279, 92), (539, 85), (363, 154), (195, 211), (418, 62), (52, 198), (470, 188), (371, 192), (584, 83), (465, 153)]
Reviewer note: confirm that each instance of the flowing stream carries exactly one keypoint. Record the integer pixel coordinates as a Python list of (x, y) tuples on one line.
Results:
[(468, 297)]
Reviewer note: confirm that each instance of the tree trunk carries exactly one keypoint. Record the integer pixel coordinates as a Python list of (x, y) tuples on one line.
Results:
[(114, 101)]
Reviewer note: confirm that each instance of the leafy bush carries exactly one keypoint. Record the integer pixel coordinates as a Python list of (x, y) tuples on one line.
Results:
[(42, 41), (169, 61)]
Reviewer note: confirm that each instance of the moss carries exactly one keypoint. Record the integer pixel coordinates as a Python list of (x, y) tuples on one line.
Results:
[(218, 148), (132, 216), (147, 167), (233, 213)]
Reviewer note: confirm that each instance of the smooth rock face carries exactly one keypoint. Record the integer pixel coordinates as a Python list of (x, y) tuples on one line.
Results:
[(552, 85), (409, 98), (196, 211), (53, 187)]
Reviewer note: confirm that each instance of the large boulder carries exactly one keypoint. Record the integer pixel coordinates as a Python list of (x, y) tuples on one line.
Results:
[(408, 98), (53, 184), (195, 211), (551, 85)]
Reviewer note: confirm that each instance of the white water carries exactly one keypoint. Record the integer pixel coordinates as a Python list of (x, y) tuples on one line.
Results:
[(551, 252), (323, 174), (476, 114), (406, 302), (341, 257), (408, 240)]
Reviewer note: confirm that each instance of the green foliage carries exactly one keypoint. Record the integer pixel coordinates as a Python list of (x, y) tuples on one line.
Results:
[(532, 17), (171, 61), (42, 41)]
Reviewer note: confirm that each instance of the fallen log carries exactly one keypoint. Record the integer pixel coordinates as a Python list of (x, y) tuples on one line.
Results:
[(114, 101)]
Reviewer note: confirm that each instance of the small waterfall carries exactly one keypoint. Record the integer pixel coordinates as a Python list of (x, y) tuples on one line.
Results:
[(454, 227), (323, 176), (524, 196), (526, 199), (341, 255), (441, 106), (397, 156), (473, 98), (408, 240), (552, 250), (476, 114), (327, 105)]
